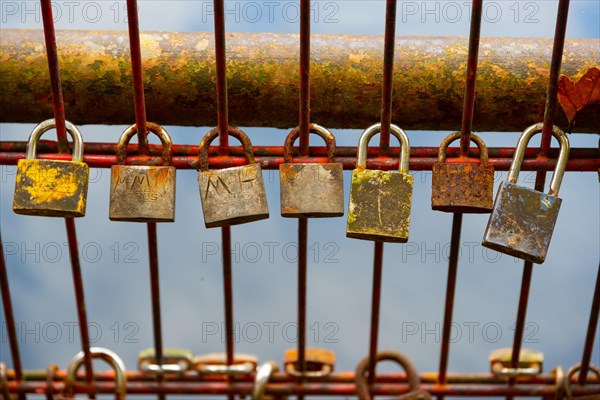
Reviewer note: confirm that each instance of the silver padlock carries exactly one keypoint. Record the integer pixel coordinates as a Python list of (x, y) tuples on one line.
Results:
[(523, 219)]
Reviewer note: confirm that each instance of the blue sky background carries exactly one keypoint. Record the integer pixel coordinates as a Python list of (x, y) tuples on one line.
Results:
[(114, 255)]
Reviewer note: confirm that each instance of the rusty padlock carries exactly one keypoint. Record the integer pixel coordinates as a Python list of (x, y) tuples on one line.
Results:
[(319, 362), (175, 362), (414, 382), (52, 188), (140, 193), (216, 364), (234, 195), (462, 187), (110, 358), (530, 363), (568, 391), (380, 201), (523, 219), (311, 190)]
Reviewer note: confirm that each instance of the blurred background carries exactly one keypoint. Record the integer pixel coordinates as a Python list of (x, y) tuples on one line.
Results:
[(114, 254)]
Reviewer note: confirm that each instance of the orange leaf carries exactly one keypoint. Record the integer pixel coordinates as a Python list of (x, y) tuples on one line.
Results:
[(574, 97)]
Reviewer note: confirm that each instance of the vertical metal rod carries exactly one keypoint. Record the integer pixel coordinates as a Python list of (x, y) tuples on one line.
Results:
[(551, 96), (80, 299), (228, 293), (375, 306), (591, 333), (54, 72), (557, 50), (469, 102), (136, 71), (304, 76), (11, 327), (388, 79), (155, 297), (302, 272), (450, 290), (220, 47)]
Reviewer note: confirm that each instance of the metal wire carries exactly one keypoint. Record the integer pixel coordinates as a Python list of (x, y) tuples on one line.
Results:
[(388, 80), (136, 72), (142, 134), (591, 333), (557, 50), (11, 327)]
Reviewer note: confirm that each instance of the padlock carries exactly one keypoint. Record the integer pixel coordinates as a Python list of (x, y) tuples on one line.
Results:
[(311, 190), (530, 363), (414, 382), (568, 391), (234, 195), (52, 188), (216, 364), (110, 358), (140, 193), (319, 362), (175, 361), (522, 220), (380, 201), (461, 187)]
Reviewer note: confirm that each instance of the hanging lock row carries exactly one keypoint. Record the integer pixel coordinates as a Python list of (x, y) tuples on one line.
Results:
[(521, 223)]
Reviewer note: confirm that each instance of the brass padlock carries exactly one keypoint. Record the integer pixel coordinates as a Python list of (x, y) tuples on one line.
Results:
[(462, 187), (530, 363), (414, 382), (140, 193), (110, 358), (234, 195), (311, 190), (522, 220), (380, 201), (319, 362), (216, 364), (52, 188), (175, 361)]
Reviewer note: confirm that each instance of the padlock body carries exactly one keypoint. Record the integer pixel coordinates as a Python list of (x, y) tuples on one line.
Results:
[(522, 222), (142, 193), (51, 188), (233, 196), (380, 205), (462, 188), (311, 190)]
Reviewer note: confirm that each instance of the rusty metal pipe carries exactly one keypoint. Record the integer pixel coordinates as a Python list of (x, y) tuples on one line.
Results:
[(263, 69)]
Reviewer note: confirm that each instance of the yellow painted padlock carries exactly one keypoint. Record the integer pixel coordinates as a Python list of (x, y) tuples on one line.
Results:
[(52, 188)]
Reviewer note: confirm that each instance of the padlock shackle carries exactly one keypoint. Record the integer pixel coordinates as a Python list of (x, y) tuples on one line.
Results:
[(561, 164), (110, 358), (483, 151), (263, 374), (312, 128), (571, 373), (363, 143), (44, 127), (360, 377), (165, 139), (213, 133)]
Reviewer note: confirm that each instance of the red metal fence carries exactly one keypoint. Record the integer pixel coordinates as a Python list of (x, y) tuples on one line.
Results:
[(442, 383)]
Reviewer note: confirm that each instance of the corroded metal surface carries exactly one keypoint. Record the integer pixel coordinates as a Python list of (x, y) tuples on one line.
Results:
[(51, 188), (530, 363), (462, 187), (380, 205), (522, 222), (179, 70), (311, 190), (235, 195), (143, 193)]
